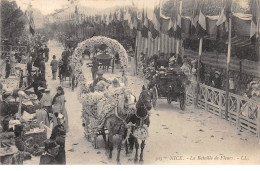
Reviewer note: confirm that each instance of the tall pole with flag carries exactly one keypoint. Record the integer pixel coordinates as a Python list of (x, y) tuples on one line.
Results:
[(228, 14), (178, 25)]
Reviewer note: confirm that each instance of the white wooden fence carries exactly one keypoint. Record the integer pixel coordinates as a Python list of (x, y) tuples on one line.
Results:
[(242, 112)]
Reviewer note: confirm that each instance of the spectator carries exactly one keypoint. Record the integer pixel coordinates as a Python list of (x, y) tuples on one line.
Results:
[(216, 82), (7, 68), (94, 68), (51, 151), (42, 69), (231, 84), (35, 85), (58, 103), (46, 53), (54, 67), (43, 116), (58, 135), (46, 102)]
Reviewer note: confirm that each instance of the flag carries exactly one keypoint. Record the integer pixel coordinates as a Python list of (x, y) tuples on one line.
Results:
[(127, 16), (222, 18), (202, 20), (145, 25), (156, 16), (171, 31), (30, 21), (178, 28), (254, 9)]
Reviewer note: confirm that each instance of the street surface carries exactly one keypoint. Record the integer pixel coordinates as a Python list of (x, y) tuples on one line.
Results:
[(175, 137)]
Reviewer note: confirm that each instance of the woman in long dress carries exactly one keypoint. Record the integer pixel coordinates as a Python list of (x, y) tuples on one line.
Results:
[(59, 107)]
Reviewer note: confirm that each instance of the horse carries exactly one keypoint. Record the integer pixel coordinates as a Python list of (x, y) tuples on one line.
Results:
[(140, 119), (66, 70), (117, 124)]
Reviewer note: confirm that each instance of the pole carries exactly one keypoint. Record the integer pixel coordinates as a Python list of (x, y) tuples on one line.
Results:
[(178, 40), (198, 73), (228, 64), (135, 73)]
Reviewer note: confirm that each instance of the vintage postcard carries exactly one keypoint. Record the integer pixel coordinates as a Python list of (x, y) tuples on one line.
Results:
[(130, 82)]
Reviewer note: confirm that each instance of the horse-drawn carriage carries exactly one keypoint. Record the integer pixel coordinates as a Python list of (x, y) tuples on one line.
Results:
[(104, 60), (168, 84), (65, 69), (115, 111)]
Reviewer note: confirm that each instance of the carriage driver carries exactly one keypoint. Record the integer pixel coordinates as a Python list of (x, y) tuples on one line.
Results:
[(99, 78)]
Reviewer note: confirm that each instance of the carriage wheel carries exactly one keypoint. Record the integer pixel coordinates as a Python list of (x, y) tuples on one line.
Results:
[(182, 102), (155, 97)]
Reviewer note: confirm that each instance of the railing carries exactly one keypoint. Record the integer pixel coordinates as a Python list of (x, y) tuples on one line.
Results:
[(6, 49), (242, 112)]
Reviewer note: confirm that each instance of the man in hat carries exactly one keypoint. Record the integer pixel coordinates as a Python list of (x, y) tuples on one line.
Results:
[(54, 67), (99, 78), (58, 135), (51, 151), (46, 53), (94, 68), (216, 82), (46, 101)]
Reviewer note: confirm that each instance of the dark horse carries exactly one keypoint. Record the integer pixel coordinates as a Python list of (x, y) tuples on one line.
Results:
[(140, 119), (116, 124), (120, 124)]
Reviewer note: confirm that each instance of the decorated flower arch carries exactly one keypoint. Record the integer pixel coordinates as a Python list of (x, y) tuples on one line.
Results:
[(113, 47)]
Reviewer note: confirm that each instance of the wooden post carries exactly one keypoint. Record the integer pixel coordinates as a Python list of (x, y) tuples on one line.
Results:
[(258, 125), (238, 114), (198, 73), (228, 64)]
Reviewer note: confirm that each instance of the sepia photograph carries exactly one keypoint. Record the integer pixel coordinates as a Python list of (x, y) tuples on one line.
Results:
[(129, 82)]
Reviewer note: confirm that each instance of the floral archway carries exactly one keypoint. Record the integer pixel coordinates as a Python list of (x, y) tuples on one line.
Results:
[(113, 47)]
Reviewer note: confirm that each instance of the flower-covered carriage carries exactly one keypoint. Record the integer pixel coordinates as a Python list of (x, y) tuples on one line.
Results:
[(99, 105)]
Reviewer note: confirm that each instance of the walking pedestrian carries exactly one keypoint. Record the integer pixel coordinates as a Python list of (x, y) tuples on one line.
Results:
[(58, 103), (54, 67), (94, 68)]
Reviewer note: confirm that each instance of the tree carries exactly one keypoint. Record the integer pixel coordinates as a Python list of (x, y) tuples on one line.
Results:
[(12, 21)]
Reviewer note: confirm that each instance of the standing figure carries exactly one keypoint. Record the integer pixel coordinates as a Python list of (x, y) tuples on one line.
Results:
[(12, 62), (29, 70), (7, 68), (54, 67), (58, 135), (58, 103), (51, 151), (46, 101), (42, 69), (94, 68), (216, 82), (46, 53)]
